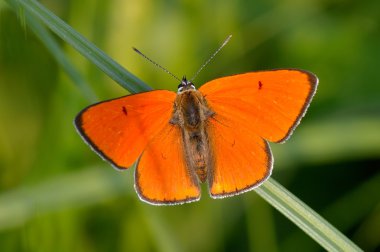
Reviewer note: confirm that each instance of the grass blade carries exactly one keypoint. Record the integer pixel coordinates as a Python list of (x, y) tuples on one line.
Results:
[(82, 45), (51, 44), (304, 217)]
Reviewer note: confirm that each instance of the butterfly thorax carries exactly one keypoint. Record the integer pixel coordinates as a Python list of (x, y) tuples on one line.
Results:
[(190, 114)]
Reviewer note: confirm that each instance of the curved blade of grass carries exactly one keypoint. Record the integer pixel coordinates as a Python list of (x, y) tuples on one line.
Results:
[(294, 209), (51, 44), (304, 217), (82, 45), (356, 200)]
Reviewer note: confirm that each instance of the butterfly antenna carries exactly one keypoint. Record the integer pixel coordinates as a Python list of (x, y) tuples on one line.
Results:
[(156, 64), (212, 56)]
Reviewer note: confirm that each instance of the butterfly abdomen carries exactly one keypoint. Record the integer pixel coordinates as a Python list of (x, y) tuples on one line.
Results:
[(190, 113), (196, 148)]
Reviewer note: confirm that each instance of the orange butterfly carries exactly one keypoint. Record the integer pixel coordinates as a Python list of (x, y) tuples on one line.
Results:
[(217, 134)]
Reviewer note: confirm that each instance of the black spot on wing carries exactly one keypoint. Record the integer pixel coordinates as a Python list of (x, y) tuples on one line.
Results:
[(125, 111), (260, 85)]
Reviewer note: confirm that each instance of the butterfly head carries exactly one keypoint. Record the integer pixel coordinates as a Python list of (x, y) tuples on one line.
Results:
[(185, 85)]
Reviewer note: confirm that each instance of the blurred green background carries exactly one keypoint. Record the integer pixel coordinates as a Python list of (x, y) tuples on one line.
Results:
[(57, 195)]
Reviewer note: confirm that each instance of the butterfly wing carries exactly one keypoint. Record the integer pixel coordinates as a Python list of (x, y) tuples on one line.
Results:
[(269, 103), (119, 130), (162, 177), (248, 109), (242, 159)]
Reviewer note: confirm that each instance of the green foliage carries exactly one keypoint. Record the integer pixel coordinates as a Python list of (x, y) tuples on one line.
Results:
[(53, 195)]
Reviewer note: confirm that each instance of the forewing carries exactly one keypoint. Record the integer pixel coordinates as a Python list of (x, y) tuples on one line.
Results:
[(162, 176), (270, 103), (118, 130)]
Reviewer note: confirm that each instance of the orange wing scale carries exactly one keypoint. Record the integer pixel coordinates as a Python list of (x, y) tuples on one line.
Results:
[(162, 176), (118, 130), (249, 108), (269, 103), (242, 158)]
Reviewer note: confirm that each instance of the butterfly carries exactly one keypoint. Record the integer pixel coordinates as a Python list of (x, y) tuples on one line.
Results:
[(217, 134)]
